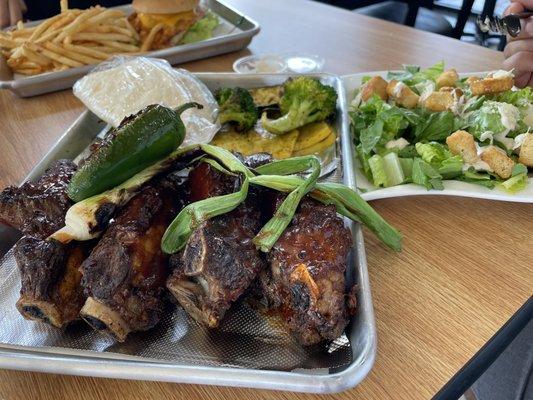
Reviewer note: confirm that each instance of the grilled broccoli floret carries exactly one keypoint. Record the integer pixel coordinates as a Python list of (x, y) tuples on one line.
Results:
[(237, 107), (305, 100)]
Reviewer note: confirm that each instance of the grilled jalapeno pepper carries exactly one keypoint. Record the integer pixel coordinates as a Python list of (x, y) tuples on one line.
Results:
[(139, 141)]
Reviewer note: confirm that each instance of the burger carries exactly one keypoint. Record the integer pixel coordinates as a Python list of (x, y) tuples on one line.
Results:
[(164, 23)]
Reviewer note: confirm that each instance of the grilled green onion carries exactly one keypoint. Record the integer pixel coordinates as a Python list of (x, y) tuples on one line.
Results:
[(195, 214), (274, 228), (86, 219), (346, 201)]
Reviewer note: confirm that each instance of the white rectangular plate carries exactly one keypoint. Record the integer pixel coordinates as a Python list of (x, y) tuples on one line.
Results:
[(451, 187)]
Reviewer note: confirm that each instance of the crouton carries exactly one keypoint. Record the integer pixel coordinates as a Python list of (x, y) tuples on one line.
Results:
[(526, 151), (447, 78), (438, 101), (491, 85), (376, 85), (472, 79), (402, 94), (462, 143), (498, 161), (455, 91)]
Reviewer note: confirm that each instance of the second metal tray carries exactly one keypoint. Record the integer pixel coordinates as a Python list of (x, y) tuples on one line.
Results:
[(240, 31), (361, 330)]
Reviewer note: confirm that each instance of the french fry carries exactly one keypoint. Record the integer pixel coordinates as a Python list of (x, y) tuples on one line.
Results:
[(77, 24), (71, 54), (107, 14), (150, 38), (123, 47), (35, 57), (29, 71), (131, 28), (22, 33), (43, 27), (9, 43), (92, 52), (112, 29), (54, 56), (70, 39), (115, 37)]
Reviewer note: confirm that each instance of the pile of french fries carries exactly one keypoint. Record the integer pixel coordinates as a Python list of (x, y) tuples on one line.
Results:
[(70, 39)]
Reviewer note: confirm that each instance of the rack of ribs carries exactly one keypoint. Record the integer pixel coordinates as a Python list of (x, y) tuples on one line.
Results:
[(124, 276), (306, 279), (50, 279), (219, 261)]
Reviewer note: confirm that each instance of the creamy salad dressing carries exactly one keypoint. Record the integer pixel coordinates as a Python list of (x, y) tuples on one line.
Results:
[(397, 91), (479, 164), (501, 74), (509, 115), (400, 144)]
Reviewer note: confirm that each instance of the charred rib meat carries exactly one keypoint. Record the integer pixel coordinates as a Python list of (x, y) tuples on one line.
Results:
[(124, 276), (219, 261), (50, 276), (38, 208), (306, 281)]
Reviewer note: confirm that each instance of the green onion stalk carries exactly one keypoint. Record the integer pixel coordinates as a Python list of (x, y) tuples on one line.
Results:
[(87, 219), (278, 175)]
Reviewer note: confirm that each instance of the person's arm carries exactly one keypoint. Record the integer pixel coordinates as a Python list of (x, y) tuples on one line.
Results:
[(519, 51), (11, 12)]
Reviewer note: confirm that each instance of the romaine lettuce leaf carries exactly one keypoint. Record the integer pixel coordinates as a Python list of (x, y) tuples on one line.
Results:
[(451, 167), (436, 126), (202, 29), (393, 169), (377, 167), (440, 158), (425, 175), (495, 117), (369, 137), (433, 152), (517, 181), (520, 98), (363, 160), (412, 74)]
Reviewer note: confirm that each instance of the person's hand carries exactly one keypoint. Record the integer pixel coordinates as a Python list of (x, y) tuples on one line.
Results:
[(519, 51), (11, 12)]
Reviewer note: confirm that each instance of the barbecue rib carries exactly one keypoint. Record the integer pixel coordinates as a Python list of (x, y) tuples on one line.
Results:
[(306, 280), (50, 281), (38, 208), (50, 277), (125, 274), (219, 261)]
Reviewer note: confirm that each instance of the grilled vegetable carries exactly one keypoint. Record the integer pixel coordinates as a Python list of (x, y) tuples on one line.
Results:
[(274, 176), (305, 100), (237, 108), (139, 142), (87, 219), (267, 96)]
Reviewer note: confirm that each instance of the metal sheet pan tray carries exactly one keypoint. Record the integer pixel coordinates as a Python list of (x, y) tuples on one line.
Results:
[(234, 33), (249, 349)]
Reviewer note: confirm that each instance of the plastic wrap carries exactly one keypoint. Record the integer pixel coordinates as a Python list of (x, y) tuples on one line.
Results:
[(123, 86)]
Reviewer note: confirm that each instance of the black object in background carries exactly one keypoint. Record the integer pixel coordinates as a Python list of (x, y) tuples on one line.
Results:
[(519, 352), (40, 9)]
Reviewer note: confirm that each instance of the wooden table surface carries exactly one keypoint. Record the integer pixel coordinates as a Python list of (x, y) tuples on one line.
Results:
[(466, 265)]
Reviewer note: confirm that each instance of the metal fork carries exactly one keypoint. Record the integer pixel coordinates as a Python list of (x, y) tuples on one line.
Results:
[(508, 25)]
